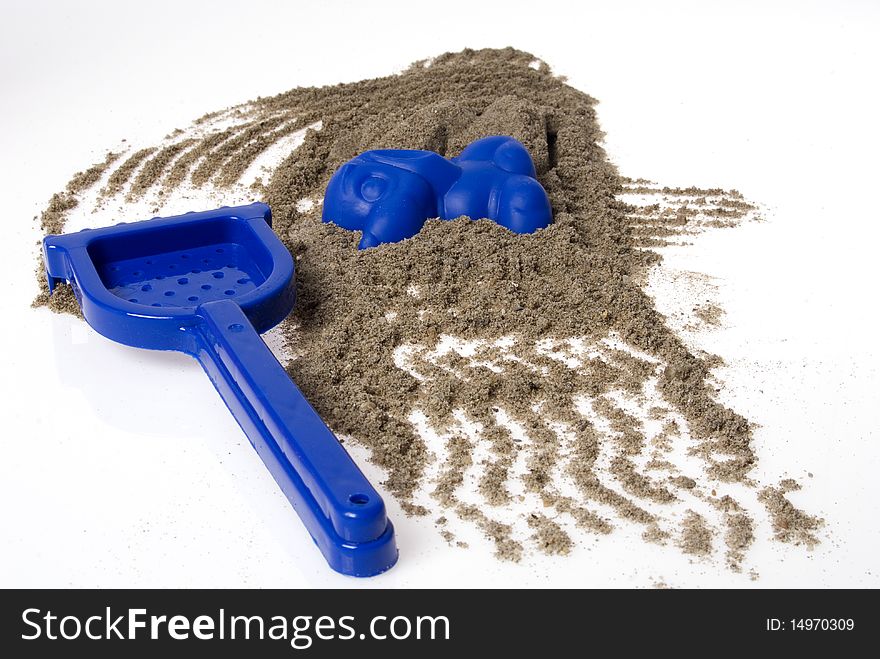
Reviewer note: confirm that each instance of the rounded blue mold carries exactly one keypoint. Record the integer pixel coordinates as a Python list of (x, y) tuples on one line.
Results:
[(388, 194)]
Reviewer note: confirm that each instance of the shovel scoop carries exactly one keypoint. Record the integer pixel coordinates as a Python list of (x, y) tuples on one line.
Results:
[(208, 284)]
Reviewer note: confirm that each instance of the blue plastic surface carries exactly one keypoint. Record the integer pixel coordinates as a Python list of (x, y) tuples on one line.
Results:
[(388, 194), (207, 284)]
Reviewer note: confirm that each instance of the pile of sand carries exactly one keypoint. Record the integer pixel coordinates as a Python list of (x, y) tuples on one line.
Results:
[(559, 401)]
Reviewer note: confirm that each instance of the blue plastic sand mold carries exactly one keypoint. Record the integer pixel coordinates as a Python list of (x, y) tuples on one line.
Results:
[(207, 284), (388, 194)]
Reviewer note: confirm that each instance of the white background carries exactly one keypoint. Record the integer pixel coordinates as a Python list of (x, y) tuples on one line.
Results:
[(120, 467)]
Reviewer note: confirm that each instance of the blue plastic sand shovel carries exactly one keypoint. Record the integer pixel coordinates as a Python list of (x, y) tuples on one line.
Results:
[(206, 284)]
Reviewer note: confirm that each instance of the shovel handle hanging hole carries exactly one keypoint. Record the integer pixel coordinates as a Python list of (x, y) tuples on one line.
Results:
[(235, 327), (359, 499)]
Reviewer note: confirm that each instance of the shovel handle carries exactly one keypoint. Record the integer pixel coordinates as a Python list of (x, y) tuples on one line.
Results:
[(341, 510)]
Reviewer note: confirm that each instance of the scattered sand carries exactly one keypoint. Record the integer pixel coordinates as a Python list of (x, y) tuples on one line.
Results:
[(696, 535), (562, 376), (790, 524)]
